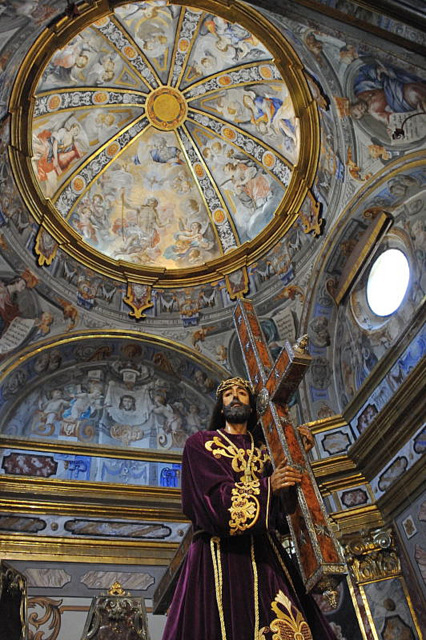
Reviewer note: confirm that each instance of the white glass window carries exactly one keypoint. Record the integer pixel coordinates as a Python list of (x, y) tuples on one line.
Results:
[(388, 282)]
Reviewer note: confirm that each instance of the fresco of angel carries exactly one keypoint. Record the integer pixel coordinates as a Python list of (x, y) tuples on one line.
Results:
[(235, 42), (191, 239), (271, 114), (266, 111), (56, 150), (66, 64), (251, 184), (104, 70)]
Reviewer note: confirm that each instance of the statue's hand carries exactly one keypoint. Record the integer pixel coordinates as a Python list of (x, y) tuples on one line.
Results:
[(284, 476)]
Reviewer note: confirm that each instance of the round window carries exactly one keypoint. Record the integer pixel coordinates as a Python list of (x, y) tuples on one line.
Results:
[(388, 282)]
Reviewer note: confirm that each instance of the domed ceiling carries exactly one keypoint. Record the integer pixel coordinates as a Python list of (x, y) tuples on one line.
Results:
[(165, 141)]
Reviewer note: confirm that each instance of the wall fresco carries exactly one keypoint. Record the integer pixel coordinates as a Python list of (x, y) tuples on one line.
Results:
[(58, 466), (113, 392), (381, 395), (407, 456)]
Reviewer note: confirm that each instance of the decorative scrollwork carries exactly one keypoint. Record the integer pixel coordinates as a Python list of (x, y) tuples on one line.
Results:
[(51, 619), (372, 556)]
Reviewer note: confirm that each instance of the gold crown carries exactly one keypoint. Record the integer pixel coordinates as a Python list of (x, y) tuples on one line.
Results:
[(230, 382)]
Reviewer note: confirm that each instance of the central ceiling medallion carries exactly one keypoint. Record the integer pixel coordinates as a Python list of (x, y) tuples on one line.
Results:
[(163, 144), (166, 108)]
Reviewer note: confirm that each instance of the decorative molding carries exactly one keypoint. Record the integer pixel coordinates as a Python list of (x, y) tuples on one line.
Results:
[(372, 556), (40, 507), (98, 451), (88, 550), (340, 483), (351, 521), (325, 469), (89, 493), (326, 424)]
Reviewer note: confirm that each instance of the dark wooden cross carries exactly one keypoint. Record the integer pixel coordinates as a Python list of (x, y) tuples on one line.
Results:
[(320, 561)]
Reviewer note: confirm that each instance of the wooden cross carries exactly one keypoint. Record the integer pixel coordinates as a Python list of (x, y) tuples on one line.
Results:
[(320, 561)]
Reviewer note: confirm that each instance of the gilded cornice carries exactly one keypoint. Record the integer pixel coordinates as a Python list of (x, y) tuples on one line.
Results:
[(97, 451), (89, 492), (326, 424), (350, 522), (44, 548), (41, 507), (333, 466)]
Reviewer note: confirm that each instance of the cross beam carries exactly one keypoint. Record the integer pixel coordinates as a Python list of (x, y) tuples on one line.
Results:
[(320, 561)]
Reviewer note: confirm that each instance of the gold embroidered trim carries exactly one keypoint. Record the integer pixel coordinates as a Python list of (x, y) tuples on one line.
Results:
[(267, 503), (243, 461), (287, 625), (218, 581), (244, 507), (255, 588)]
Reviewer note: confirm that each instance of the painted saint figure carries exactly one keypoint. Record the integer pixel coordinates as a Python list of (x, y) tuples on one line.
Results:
[(237, 582), (381, 91)]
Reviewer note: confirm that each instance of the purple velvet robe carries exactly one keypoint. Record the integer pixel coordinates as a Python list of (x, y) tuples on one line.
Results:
[(237, 583)]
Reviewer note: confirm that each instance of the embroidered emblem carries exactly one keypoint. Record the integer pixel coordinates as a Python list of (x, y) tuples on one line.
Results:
[(240, 457), (244, 507), (288, 625)]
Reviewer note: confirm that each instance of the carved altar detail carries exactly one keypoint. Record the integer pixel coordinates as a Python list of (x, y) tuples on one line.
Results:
[(381, 592), (116, 616), (372, 556)]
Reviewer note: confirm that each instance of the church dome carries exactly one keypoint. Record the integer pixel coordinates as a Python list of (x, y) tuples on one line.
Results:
[(167, 143)]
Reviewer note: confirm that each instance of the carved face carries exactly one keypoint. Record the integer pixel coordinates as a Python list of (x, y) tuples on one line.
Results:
[(236, 404)]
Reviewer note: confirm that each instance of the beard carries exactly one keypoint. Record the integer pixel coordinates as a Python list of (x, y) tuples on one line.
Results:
[(236, 414)]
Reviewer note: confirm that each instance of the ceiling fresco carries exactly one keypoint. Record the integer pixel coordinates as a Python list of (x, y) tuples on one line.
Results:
[(165, 137)]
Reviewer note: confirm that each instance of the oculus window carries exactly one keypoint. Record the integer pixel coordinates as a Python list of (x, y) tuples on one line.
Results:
[(387, 282)]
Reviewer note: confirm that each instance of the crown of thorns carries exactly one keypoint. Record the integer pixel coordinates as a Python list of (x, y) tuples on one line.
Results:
[(230, 382)]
